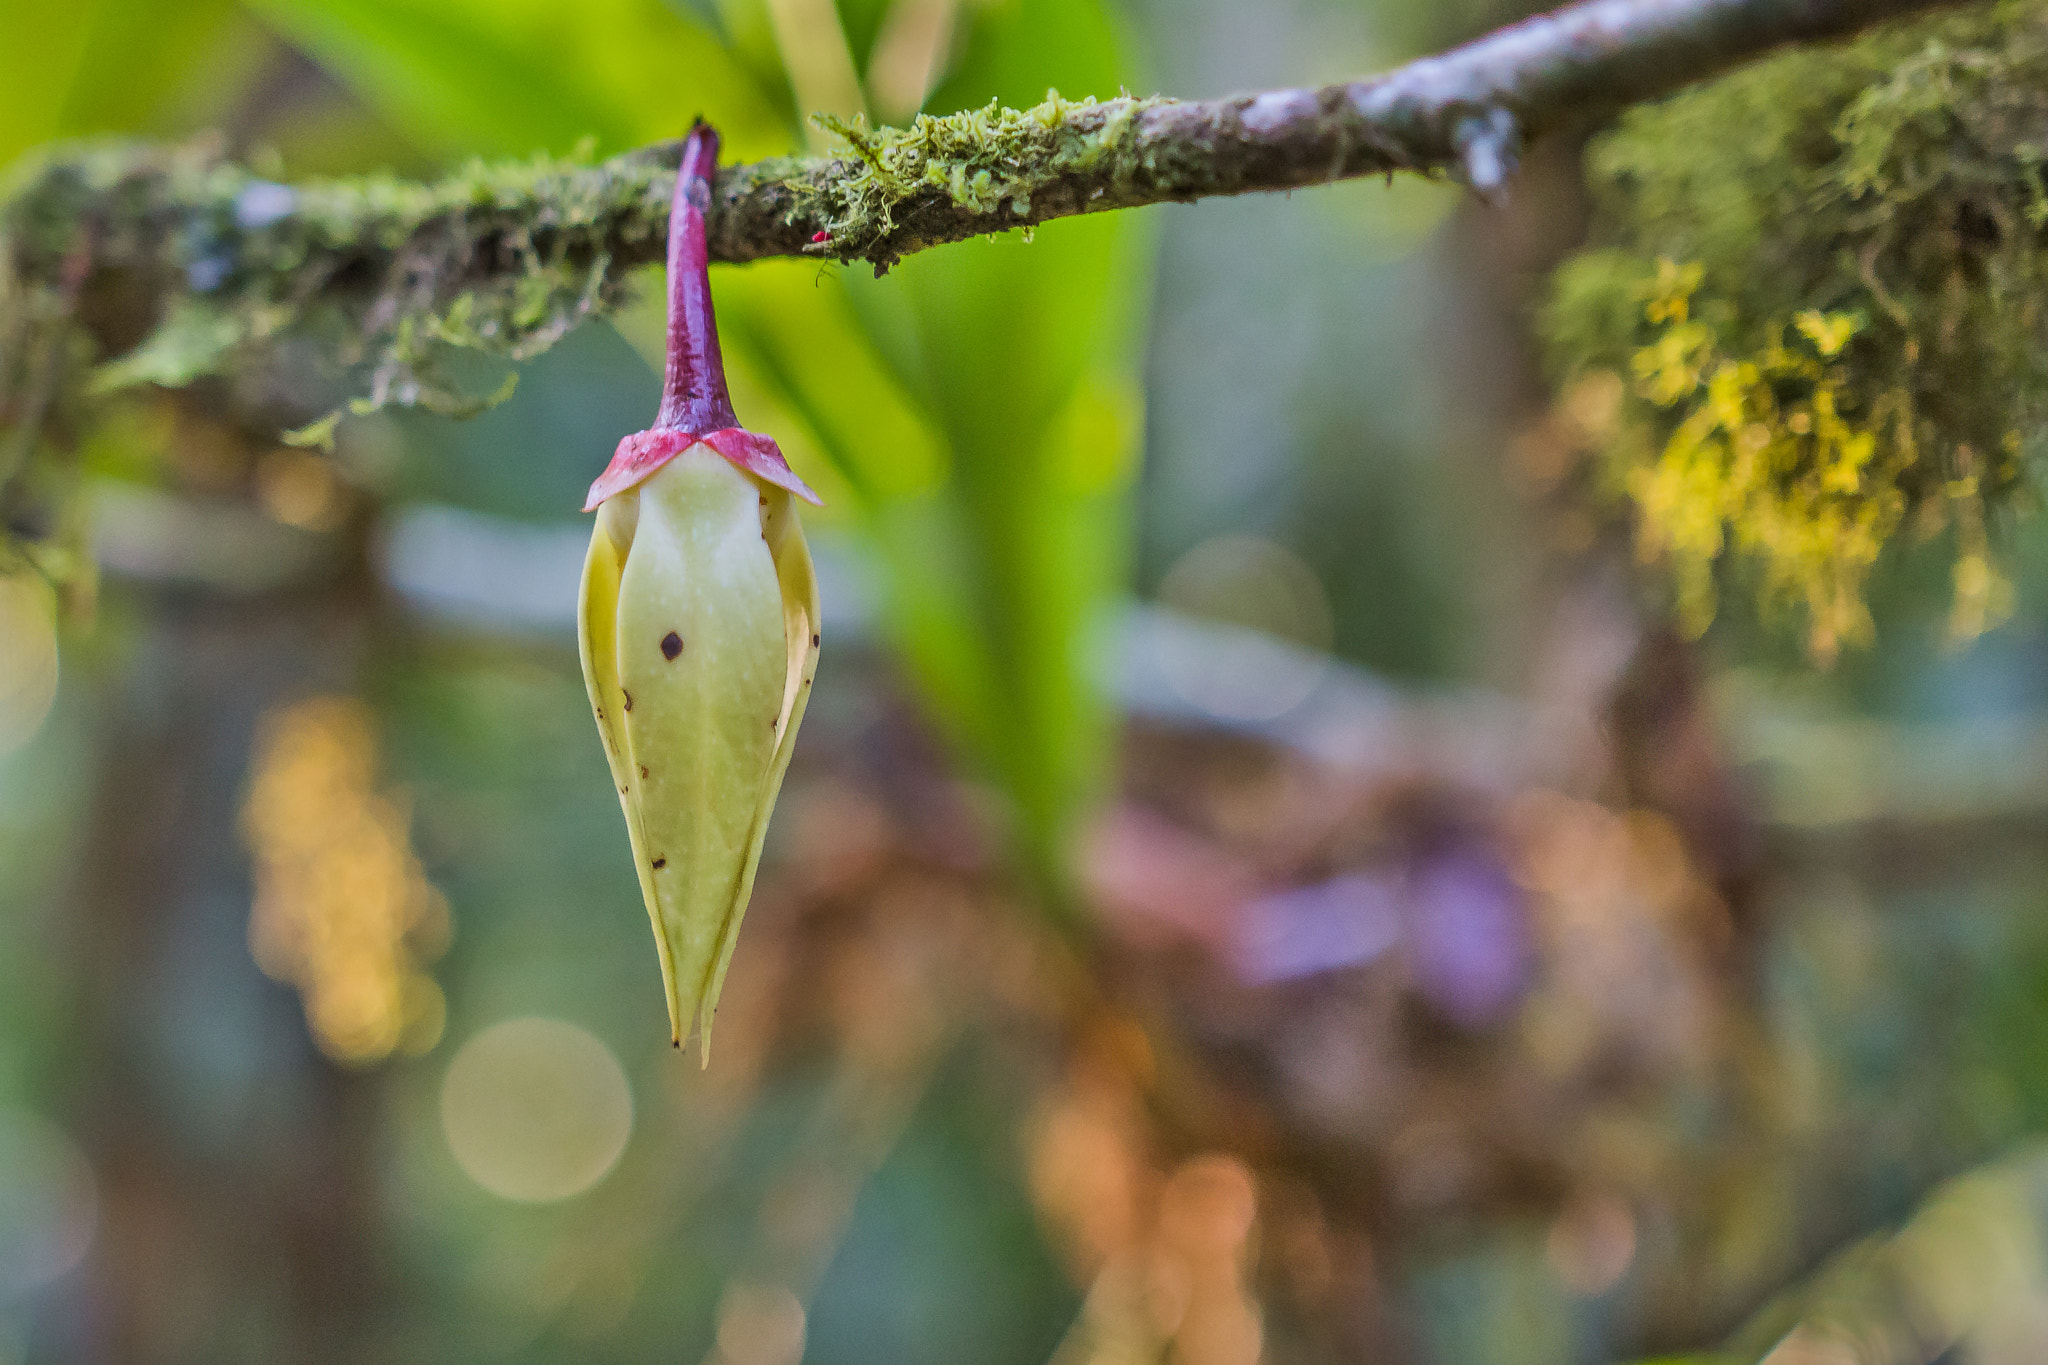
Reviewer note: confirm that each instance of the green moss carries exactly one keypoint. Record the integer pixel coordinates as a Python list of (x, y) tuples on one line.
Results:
[(980, 159), (1889, 193)]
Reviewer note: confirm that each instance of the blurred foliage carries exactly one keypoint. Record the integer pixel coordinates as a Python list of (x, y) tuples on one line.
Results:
[(1964, 1277), (117, 65), (1855, 233)]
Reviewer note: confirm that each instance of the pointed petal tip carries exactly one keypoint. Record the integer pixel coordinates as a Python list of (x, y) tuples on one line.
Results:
[(760, 456), (702, 1037)]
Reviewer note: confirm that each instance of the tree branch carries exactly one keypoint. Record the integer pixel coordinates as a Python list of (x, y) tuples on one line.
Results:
[(1468, 111), (509, 257)]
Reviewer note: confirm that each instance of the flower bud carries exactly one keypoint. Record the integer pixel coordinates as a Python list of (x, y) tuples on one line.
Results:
[(698, 622)]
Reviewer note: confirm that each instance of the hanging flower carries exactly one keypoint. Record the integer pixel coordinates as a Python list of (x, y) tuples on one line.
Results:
[(698, 621)]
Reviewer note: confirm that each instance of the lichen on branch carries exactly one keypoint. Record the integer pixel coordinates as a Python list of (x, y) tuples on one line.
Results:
[(504, 258), (1849, 243)]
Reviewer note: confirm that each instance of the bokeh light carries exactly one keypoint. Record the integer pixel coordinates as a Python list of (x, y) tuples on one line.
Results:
[(1275, 661), (1591, 1243), (536, 1109), (760, 1324), (49, 1204), (28, 657), (342, 909), (299, 489)]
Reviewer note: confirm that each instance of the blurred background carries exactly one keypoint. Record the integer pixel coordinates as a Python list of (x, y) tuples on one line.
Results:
[(1261, 879)]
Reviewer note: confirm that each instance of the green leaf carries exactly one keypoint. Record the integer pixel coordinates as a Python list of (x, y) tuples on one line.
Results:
[(455, 81), (1025, 354), (804, 368), (466, 77), (38, 60), (152, 67)]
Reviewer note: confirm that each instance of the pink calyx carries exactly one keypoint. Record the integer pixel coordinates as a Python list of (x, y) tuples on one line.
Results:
[(695, 406), (640, 454)]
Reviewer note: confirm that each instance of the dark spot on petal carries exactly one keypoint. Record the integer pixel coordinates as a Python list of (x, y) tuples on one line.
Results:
[(643, 772), (671, 645), (678, 1043), (600, 713), (661, 862), (814, 642), (629, 698)]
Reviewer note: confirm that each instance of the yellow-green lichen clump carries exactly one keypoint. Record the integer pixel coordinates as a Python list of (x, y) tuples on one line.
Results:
[(1817, 299)]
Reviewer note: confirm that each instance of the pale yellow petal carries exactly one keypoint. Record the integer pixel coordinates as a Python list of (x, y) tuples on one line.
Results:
[(702, 663), (797, 582), (597, 607)]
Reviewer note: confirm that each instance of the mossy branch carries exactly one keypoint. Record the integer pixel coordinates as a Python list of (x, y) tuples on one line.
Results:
[(903, 190), (210, 260), (1467, 112)]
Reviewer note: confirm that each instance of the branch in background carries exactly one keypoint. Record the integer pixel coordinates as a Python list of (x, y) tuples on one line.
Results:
[(508, 258)]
